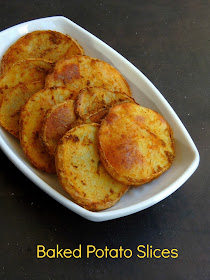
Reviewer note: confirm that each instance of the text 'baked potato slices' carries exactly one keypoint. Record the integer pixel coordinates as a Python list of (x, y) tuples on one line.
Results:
[(91, 100), (80, 72), (81, 173), (45, 44), (57, 122), (24, 72), (135, 144), (12, 103), (31, 120)]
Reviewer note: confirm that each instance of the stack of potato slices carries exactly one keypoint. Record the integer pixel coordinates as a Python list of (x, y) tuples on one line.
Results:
[(74, 116)]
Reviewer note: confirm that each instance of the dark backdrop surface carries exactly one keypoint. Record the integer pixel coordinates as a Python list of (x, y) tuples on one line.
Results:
[(169, 42)]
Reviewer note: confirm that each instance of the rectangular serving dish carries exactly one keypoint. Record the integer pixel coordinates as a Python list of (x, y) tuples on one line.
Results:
[(144, 92)]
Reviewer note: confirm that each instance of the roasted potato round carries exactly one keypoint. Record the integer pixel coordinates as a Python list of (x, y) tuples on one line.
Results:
[(31, 120), (81, 173), (57, 122), (94, 99), (12, 103), (24, 73), (79, 72), (45, 44), (135, 144)]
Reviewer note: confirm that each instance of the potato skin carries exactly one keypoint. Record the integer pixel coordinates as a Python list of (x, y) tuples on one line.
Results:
[(24, 72), (12, 103), (44, 44), (79, 72), (81, 173), (57, 122), (31, 120), (135, 144)]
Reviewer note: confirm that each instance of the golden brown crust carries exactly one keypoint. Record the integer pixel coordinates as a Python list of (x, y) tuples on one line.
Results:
[(24, 73), (81, 173), (57, 122), (12, 103), (80, 72), (31, 120), (135, 144), (45, 44)]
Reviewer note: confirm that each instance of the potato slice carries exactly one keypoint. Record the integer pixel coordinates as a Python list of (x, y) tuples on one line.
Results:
[(45, 44), (24, 72), (13, 102), (57, 122), (31, 120), (81, 173), (80, 72), (92, 100), (135, 144)]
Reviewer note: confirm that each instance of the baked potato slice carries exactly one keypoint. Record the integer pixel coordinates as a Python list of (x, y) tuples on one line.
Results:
[(135, 144), (92, 100), (31, 120), (24, 72), (57, 122), (79, 72), (81, 173), (44, 44), (13, 102)]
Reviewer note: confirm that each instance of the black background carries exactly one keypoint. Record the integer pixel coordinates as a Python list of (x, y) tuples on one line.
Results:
[(169, 42)]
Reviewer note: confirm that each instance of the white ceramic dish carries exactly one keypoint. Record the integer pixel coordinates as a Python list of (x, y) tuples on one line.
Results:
[(187, 157)]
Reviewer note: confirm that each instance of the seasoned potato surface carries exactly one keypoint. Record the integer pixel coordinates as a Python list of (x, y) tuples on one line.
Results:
[(79, 72), (82, 174), (24, 73), (31, 120), (95, 99), (45, 44), (57, 122), (12, 103), (135, 144)]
